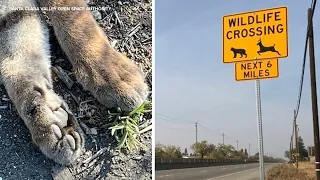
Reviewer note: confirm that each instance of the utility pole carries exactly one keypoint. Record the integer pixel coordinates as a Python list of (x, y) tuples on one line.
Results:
[(237, 145), (249, 149), (290, 149), (297, 144), (291, 142), (314, 98), (196, 132), (223, 138)]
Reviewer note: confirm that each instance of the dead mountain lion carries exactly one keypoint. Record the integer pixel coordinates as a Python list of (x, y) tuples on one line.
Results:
[(25, 71)]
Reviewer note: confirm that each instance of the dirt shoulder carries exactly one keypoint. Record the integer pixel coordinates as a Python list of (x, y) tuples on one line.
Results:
[(309, 168), (290, 172)]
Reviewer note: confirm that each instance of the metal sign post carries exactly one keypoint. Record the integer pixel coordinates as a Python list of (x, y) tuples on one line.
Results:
[(259, 124)]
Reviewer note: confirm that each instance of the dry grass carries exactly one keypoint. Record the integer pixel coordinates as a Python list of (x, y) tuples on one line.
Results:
[(309, 168), (287, 172)]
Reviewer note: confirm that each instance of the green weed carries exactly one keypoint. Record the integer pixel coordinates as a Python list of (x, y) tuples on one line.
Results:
[(126, 127)]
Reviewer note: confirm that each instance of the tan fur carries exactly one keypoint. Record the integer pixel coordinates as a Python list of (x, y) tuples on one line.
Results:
[(110, 76), (25, 73)]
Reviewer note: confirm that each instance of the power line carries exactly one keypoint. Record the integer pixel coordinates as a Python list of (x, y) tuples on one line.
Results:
[(296, 111), (208, 129), (175, 128), (228, 137), (313, 5), (175, 120), (217, 133), (171, 119), (313, 83)]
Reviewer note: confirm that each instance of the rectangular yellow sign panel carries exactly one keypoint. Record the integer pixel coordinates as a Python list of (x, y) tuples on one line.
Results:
[(255, 35), (253, 70)]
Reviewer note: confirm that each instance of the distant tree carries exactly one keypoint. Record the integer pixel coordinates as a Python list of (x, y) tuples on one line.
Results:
[(239, 154), (178, 153), (202, 148), (246, 152), (287, 154), (212, 151), (253, 158), (159, 152), (172, 151), (303, 152), (211, 148), (225, 151), (290, 154)]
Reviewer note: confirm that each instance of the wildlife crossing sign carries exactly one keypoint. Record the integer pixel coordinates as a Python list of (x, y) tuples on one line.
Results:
[(255, 35)]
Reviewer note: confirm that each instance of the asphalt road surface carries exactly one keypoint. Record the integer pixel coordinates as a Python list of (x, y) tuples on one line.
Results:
[(229, 172)]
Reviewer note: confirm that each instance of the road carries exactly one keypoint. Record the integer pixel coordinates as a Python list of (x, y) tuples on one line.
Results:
[(229, 172)]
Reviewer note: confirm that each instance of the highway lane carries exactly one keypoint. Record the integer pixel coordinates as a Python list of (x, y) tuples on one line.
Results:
[(229, 172)]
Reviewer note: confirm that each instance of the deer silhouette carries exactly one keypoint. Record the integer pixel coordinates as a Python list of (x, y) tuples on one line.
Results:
[(266, 48)]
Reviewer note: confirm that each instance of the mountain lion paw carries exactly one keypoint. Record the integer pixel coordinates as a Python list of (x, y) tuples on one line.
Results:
[(54, 129), (114, 80), (110, 76)]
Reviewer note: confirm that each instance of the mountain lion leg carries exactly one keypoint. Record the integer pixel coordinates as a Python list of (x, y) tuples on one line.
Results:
[(110, 76), (26, 75)]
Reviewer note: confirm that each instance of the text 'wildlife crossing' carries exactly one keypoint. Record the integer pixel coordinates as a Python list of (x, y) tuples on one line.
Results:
[(255, 31)]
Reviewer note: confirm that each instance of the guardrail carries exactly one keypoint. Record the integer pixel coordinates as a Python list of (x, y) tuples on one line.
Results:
[(181, 163)]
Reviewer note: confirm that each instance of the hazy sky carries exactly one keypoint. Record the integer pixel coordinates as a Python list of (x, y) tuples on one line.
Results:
[(194, 85)]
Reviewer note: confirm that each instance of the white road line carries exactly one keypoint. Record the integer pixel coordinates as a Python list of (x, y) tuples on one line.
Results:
[(223, 168), (233, 173), (203, 171), (162, 176)]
